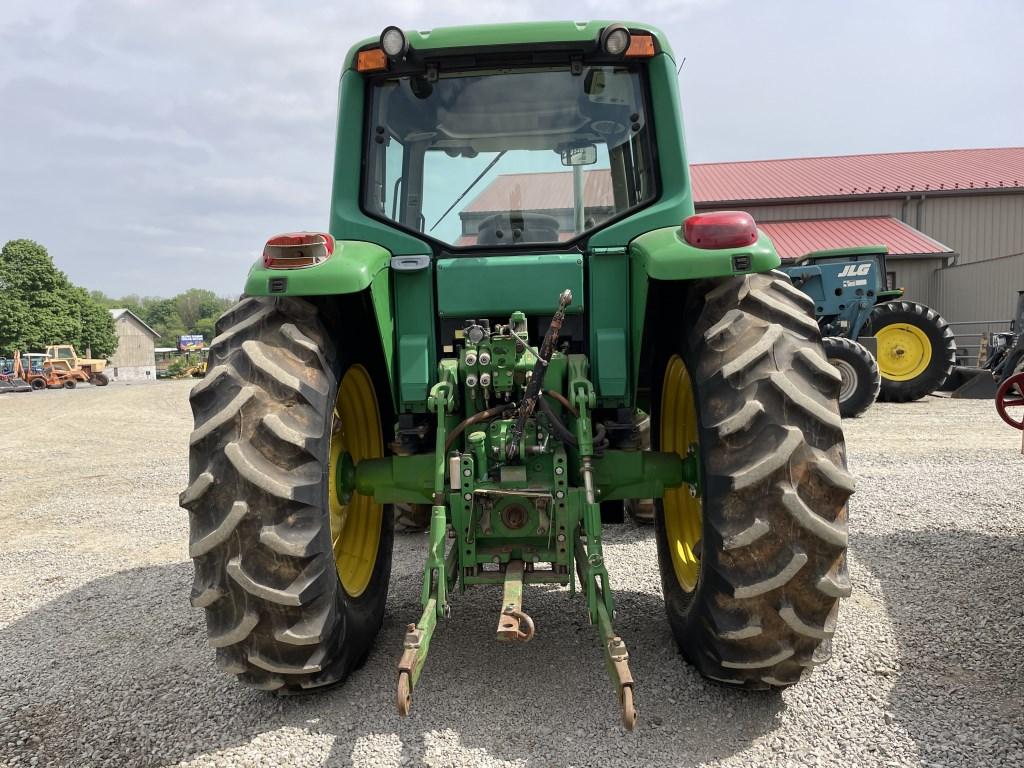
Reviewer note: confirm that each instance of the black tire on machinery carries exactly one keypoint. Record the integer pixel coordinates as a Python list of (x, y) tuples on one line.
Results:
[(939, 334), (1014, 363), (260, 541), (775, 485), (865, 369)]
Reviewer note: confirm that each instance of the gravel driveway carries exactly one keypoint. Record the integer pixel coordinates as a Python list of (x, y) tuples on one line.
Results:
[(103, 662)]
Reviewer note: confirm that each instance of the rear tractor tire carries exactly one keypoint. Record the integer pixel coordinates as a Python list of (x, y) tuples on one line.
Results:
[(858, 368), (916, 349), (753, 566), (291, 571), (411, 518)]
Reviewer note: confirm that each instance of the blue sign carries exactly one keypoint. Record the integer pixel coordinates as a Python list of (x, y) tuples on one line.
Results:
[(191, 343)]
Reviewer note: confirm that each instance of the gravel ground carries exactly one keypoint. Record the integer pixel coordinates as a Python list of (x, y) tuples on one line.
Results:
[(103, 662)]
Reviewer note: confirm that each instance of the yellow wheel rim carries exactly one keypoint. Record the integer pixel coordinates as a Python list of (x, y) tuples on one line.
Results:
[(904, 351), (355, 526), (678, 432)]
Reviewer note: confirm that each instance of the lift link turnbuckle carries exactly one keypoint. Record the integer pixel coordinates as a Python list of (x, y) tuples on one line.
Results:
[(436, 572)]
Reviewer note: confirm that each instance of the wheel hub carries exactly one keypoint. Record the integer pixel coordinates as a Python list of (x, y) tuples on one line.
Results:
[(848, 383), (355, 519), (904, 351), (344, 478)]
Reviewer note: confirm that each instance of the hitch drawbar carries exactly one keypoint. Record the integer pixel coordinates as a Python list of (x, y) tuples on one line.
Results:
[(516, 486), (514, 623)]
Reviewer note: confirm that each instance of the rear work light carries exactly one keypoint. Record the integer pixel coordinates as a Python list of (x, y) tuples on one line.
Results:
[(614, 39), (296, 250), (721, 229), (394, 43)]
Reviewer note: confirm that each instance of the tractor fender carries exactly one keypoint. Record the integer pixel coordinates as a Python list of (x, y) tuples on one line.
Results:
[(664, 255), (350, 269), (355, 268)]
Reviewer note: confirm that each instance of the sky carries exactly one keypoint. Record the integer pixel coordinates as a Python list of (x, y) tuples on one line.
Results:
[(153, 146)]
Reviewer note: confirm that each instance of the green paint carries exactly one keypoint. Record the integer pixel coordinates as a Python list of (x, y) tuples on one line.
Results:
[(350, 269), (637, 474), (380, 295), (664, 255), (609, 324), (472, 286), (347, 221), (676, 200), (417, 345), (394, 479)]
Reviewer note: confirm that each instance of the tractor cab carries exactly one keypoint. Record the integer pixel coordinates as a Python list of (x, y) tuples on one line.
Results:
[(517, 158)]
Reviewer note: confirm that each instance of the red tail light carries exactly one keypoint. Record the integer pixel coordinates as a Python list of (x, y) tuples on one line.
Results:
[(297, 249), (720, 229)]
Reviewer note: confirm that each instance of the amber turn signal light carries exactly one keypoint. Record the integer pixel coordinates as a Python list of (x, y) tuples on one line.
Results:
[(371, 60), (640, 47)]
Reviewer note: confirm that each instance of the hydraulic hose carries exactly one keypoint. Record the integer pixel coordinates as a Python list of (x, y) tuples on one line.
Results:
[(553, 393), (559, 428), (476, 418)]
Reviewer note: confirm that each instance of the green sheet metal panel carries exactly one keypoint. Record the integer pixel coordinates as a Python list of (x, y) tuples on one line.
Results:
[(608, 285), (414, 329), (350, 269), (494, 286)]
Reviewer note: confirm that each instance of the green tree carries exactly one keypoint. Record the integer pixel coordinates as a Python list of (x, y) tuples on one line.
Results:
[(14, 314), (40, 306), (205, 326), (162, 316), (97, 334), (196, 304)]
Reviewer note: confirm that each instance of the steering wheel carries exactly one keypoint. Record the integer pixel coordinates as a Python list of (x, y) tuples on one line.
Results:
[(1011, 395), (518, 227)]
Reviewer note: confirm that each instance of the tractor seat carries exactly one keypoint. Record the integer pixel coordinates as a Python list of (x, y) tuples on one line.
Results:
[(517, 227)]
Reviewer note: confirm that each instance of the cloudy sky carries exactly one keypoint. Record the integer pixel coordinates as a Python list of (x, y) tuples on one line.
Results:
[(152, 145)]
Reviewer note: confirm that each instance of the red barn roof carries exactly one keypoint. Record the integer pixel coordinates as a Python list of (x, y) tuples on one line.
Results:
[(549, 191), (898, 173), (854, 175), (794, 239)]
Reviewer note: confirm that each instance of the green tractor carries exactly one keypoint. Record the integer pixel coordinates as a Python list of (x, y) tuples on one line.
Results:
[(492, 365)]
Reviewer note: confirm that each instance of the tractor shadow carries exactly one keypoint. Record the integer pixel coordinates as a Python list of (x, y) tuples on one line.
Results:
[(117, 671), (959, 625)]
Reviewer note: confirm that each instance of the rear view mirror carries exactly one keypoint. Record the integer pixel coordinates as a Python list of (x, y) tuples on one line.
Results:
[(583, 155)]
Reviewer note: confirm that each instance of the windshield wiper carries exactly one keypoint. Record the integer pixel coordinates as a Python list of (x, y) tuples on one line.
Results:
[(467, 190)]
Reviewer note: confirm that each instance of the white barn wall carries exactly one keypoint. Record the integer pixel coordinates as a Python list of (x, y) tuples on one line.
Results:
[(134, 359)]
